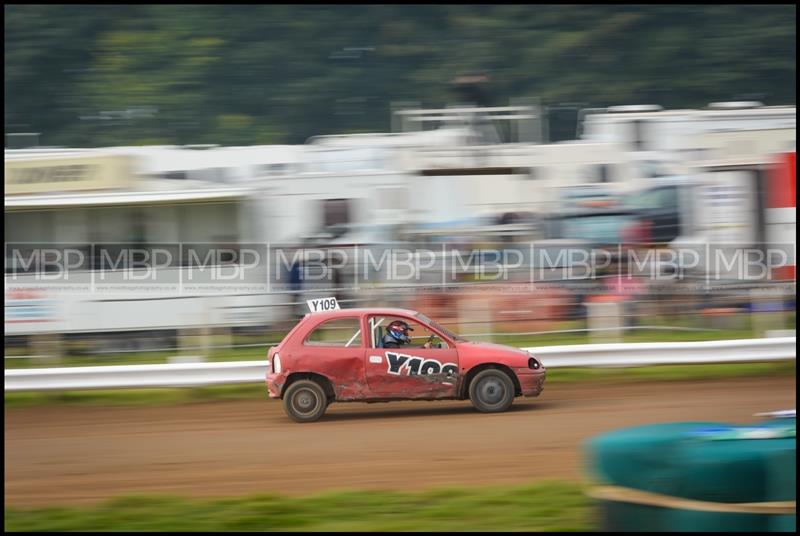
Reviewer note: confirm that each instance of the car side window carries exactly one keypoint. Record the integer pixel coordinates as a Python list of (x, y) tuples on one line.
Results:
[(341, 332), (419, 334)]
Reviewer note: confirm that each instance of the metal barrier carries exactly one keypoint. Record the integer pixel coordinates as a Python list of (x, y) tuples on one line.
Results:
[(668, 353), (590, 355)]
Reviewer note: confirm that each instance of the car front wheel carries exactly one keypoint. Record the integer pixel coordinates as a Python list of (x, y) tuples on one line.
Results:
[(491, 391), (305, 401)]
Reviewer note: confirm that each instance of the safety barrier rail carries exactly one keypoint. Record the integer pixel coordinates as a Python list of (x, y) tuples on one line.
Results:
[(588, 355)]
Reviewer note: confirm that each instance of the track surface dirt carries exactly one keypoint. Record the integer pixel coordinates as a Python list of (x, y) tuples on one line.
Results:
[(73, 455)]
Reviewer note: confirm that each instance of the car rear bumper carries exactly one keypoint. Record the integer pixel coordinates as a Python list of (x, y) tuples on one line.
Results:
[(275, 384), (531, 382)]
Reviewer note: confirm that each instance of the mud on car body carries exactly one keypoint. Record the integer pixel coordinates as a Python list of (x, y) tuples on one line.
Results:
[(339, 356)]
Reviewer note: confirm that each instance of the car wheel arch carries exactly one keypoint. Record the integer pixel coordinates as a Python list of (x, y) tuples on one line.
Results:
[(471, 373), (323, 381)]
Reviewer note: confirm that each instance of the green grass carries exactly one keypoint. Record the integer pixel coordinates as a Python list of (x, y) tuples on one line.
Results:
[(697, 372), (545, 506), (257, 391), (137, 397)]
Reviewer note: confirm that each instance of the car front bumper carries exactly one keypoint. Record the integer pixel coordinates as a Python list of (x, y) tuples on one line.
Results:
[(531, 382)]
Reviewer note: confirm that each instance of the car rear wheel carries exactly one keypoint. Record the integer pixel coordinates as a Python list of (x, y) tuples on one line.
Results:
[(305, 401), (491, 391)]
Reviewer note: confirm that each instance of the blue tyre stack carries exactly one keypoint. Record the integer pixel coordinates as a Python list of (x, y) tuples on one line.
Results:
[(707, 462)]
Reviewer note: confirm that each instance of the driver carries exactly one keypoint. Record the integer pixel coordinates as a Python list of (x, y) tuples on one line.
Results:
[(397, 335)]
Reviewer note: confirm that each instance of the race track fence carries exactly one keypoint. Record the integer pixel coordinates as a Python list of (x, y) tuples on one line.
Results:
[(235, 372)]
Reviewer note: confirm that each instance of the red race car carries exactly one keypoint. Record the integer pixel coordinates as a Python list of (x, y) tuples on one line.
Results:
[(377, 355)]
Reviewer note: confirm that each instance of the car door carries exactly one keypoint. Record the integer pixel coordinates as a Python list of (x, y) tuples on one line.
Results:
[(335, 349), (410, 372)]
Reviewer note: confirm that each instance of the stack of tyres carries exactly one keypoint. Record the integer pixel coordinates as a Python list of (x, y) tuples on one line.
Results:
[(784, 483), (707, 462)]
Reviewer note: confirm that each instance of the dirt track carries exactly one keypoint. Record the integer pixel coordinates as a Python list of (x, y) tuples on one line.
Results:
[(81, 455)]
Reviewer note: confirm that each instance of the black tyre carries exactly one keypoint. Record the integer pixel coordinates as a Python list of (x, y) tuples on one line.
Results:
[(305, 401), (491, 391)]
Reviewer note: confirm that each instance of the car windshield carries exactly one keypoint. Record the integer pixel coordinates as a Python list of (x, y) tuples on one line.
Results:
[(654, 199), (604, 228), (425, 320)]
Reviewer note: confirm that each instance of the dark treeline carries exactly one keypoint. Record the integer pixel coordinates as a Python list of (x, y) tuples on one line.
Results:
[(103, 75)]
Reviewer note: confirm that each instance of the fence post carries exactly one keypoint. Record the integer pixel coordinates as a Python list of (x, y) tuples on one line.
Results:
[(474, 315), (605, 320), (48, 345), (194, 345)]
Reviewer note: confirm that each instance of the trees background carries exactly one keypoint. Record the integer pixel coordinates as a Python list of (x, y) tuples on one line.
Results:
[(104, 75)]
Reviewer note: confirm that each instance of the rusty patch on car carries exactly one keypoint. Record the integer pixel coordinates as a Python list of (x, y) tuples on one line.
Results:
[(440, 377)]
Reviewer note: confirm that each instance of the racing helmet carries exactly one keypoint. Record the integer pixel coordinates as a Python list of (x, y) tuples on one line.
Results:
[(399, 331)]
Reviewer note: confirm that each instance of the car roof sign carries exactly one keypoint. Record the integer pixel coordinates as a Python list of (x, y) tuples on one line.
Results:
[(323, 304)]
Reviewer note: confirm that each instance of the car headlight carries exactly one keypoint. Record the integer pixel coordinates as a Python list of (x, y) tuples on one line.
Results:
[(276, 364), (533, 363)]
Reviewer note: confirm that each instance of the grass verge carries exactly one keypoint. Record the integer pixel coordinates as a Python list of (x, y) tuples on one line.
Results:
[(545, 506)]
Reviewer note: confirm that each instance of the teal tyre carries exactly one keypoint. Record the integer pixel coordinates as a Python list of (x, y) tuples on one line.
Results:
[(700, 461)]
